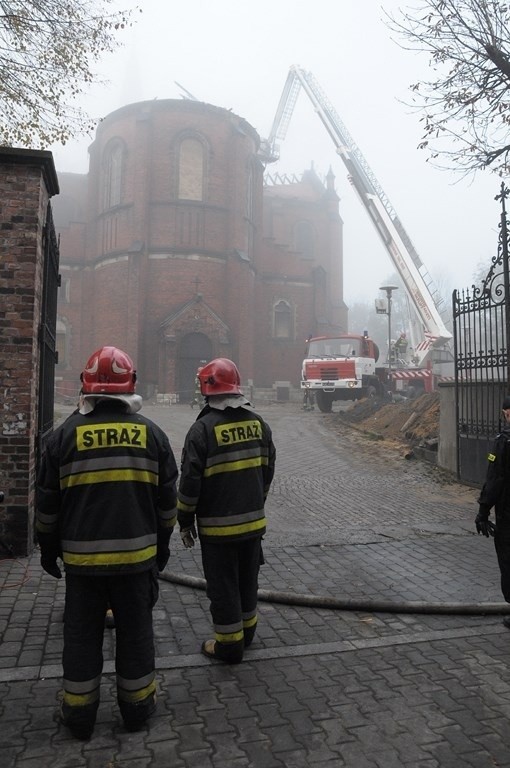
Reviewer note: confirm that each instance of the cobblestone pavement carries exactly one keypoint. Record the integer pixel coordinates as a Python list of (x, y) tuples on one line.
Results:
[(349, 519)]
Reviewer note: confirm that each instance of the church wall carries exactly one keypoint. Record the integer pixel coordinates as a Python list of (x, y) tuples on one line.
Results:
[(279, 359), (112, 305), (170, 283), (154, 268)]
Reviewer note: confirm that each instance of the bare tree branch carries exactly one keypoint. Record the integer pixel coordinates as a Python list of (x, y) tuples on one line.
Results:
[(466, 104), (48, 49)]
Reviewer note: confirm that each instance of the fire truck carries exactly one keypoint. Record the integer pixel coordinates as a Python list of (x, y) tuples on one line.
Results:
[(344, 367), (431, 356)]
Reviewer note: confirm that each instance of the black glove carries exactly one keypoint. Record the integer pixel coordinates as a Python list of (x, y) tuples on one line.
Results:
[(188, 536), (49, 564), (162, 557), (482, 522)]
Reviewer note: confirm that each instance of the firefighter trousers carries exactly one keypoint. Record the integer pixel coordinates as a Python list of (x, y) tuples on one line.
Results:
[(502, 545), (131, 598), (231, 571)]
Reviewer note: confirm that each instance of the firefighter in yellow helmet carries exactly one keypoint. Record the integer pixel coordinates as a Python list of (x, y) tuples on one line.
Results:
[(106, 505), (227, 467)]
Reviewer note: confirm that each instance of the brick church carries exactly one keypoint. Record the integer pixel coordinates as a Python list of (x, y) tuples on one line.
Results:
[(177, 247)]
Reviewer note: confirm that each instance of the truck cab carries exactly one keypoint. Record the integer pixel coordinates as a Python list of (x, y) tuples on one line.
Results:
[(340, 367)]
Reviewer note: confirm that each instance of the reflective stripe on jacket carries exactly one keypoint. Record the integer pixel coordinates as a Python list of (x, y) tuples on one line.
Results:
[(106, 492), (227, 467)]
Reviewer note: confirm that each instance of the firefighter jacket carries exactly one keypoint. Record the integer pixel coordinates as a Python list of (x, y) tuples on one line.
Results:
[(496, 489), (227, 467), (106, 492)]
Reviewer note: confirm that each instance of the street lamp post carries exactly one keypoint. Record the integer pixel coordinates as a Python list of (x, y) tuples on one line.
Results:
[(389, 290)]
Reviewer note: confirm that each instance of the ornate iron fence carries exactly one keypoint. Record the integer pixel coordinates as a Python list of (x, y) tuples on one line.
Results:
[(481, 318)]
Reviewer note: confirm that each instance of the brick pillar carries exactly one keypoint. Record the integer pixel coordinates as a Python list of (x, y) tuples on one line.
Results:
[(27, 181)]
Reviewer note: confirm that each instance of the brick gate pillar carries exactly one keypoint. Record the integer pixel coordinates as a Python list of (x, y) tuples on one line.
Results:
[(27, 181)]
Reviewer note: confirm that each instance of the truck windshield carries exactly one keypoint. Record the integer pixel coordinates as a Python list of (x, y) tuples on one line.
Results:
[(333, 348)]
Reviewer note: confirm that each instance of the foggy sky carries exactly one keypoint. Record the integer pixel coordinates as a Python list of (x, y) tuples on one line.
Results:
[(237, 56)]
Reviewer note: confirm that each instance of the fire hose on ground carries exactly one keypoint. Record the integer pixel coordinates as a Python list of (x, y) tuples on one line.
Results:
[(365, 605)]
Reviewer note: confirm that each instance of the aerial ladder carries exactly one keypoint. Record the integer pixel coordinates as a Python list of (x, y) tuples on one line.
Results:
[(415, 277)]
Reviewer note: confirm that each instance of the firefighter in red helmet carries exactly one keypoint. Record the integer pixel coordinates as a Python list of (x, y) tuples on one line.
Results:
[(106, 505), (227, 467)]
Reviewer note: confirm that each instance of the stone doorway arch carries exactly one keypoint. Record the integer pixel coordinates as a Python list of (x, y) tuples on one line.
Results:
[(195, 349)]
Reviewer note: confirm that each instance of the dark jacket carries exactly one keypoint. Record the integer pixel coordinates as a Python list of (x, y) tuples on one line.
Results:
[(227, 467), (496, 489), (106, 492)]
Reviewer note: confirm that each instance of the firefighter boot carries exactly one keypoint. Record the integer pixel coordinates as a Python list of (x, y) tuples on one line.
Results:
[(136, 715), (230, 653), (79, 720), (249, 634)]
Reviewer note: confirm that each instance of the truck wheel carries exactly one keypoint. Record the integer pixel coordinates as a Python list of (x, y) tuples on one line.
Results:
[(371, 391), (324, 402)]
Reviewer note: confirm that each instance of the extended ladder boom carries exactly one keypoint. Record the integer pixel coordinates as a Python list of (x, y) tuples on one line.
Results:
[(411, 269)]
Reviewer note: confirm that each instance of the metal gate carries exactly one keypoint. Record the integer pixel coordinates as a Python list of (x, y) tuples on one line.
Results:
[(47, 331), (481, 317)]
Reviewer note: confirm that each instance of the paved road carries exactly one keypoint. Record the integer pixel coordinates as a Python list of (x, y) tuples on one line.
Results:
[(349, 520)]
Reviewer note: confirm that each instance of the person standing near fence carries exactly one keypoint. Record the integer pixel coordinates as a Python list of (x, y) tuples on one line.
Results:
[(496, 493)]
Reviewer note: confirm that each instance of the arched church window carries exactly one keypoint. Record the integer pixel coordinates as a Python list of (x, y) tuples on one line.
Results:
[(112, 175), (191, 170), (304, 239), (282, 320)]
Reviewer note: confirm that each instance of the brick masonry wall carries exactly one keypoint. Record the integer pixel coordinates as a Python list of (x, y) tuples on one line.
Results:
[(27, 180), (145, 259)]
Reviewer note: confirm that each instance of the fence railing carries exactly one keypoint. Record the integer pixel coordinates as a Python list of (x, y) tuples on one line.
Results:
[(481, 318)]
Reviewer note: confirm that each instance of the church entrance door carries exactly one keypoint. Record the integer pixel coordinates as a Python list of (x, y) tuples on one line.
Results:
[(195, 350)]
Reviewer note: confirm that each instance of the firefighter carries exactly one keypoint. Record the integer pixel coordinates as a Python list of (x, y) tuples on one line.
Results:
[(197, 394), (106, 505), (401, 346), (109, 620), (309, 400), (227, 467), (496, 493)]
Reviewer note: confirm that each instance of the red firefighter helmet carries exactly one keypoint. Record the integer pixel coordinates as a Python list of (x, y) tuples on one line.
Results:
[(108, 371), (219, 377)]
